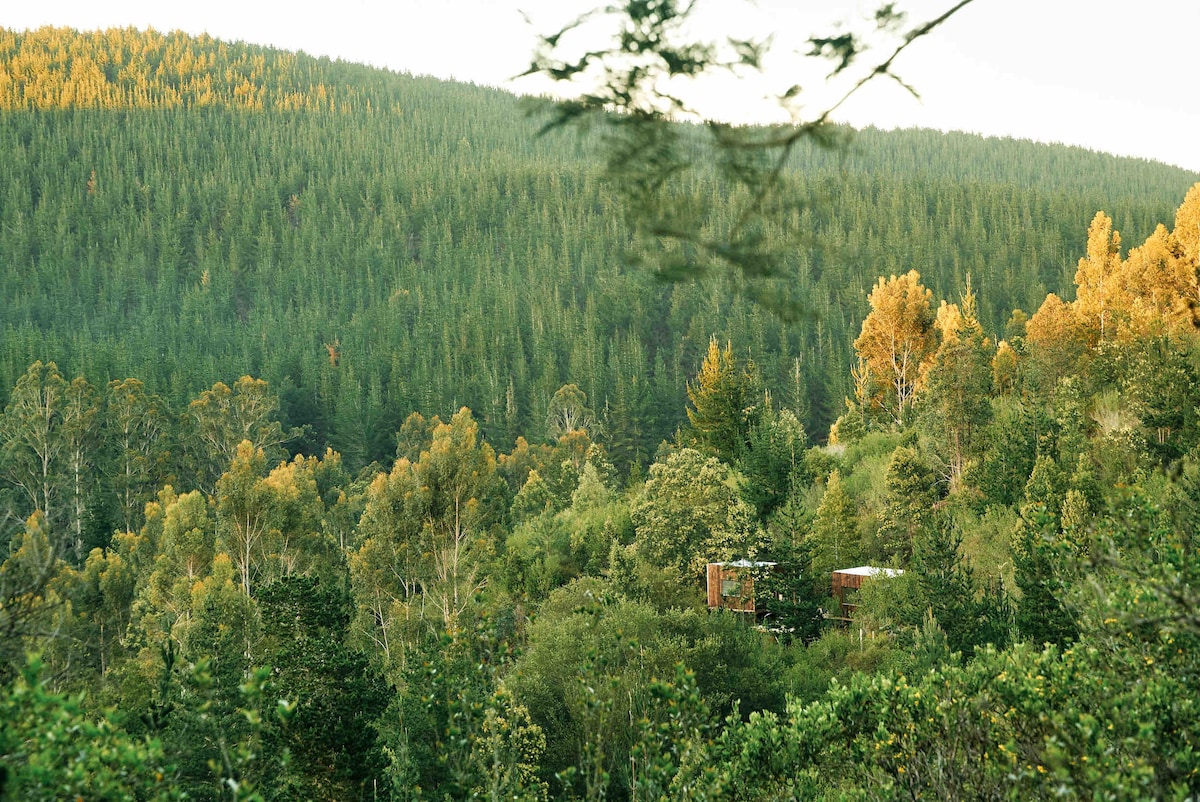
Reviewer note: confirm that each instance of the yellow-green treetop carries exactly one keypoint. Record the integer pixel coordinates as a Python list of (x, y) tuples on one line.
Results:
[(1096, 278), (1153, 291), (1160, 287), (122, 68), (1187, 226), (949, 320), (1004, 368), (1057, 338), (959, 382), (898, 340)]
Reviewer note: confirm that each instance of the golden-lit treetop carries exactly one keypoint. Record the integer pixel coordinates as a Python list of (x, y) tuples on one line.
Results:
[(1054, 320), (898, 340), (949, 321), (1160, 287), (119, 68), (1153, 291), (1096, 278), (1187, 227)]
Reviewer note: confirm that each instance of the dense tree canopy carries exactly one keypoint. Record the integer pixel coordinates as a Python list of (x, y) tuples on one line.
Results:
[(345, 456)]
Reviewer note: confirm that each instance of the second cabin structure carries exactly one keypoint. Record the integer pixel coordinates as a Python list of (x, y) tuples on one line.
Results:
[(847, 581)]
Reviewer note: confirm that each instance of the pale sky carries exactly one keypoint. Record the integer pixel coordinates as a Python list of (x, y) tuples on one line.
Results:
[(1119, 76)]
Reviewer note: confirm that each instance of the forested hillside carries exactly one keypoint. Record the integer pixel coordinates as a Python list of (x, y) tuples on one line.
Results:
[(373, 244), (344, 455)]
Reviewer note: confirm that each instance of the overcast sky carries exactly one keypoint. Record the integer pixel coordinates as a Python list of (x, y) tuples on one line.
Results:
[(1112, 75)]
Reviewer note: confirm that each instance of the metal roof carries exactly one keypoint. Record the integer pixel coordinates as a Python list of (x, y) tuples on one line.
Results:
[(870, 570)]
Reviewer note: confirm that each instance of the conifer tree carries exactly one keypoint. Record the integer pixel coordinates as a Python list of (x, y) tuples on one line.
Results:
[(792, 591), (959, 391), (1046, 488), (908, 512), (1039, 552), (835, 540), (969, 618), (773, 459), (1009, 450), (720, 398), (330, 734)]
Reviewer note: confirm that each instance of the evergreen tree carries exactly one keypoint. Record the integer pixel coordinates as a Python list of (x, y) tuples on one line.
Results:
[(960, 386), (330, 735), (1039, 555), (773, 460), (1009, 450), (1046, 487), (720, 400), (835, 539), (970, 616), (912, 492), (787, 593)]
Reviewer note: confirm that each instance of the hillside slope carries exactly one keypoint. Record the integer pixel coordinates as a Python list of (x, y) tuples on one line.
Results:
[(186, 210)]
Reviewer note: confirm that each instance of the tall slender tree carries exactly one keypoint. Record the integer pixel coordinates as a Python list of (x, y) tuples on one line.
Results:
[(720, 400), (960, 382), (35, 445)]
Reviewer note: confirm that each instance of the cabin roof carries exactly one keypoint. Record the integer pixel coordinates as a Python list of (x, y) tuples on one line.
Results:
[(870, 570)]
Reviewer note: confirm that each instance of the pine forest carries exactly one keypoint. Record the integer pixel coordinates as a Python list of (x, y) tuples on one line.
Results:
[(348, 452)]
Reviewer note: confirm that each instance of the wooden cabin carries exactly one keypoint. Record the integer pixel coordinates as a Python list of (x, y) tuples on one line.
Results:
[(848, 581), (731, 585)]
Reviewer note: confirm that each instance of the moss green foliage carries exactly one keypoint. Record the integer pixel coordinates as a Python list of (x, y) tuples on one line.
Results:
[(411, 244), (687, 515), (53, 747), (414, 489)]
